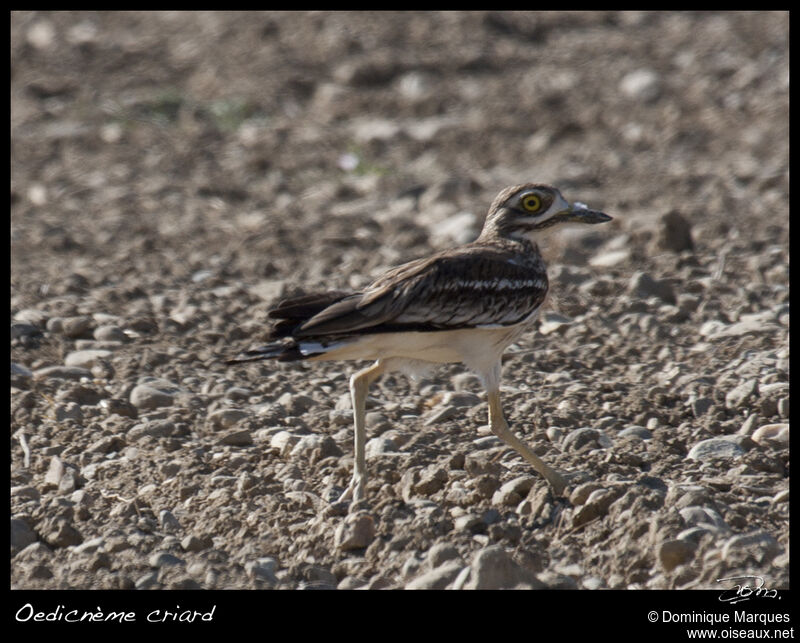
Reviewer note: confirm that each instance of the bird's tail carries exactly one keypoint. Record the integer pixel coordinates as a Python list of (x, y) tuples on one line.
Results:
[(291, 314), (286, 351)]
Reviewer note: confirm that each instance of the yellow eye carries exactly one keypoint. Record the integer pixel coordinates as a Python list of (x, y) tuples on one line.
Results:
[(531, 203)]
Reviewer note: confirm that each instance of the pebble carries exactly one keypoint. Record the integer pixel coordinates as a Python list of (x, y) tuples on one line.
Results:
[(432, 479), (758, 545), (701, 406), (145, 396), (641, 85), (772, 434), (168, 521), (155, 428), (86, 358), (62, 372), (695, 516), (672, 553), (164, 559), (72, 327), (596, 505), (675, 233), (195, 543), (356, 531), (69, 411), (586, 437), (636, 432), (236, 438), (550, 322), (379, 446), (512, 492), (225, 418), (110, 333), (741, 394), (719, 447), (21, 535), (438, 578), (441, 553), (263, 568), (493, 568), (441, 414), (643, 286)]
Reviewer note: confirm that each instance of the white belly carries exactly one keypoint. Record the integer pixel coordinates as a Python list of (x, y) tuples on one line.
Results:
[(479, 348)]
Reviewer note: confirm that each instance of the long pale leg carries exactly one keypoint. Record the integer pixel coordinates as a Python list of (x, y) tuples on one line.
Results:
[(359, 385), (500, 428)]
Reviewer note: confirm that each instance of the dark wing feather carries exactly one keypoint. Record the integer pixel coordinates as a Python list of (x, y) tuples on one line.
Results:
[(293, 312), (455, 289)]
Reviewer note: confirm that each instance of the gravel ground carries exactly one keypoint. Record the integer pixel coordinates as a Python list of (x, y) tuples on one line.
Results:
[(174, 174)]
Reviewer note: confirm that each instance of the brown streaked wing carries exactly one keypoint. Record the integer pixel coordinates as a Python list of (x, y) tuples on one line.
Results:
[(455, 289)]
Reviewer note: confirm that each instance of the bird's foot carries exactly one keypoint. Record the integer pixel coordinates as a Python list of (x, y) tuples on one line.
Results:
[(355, 491)]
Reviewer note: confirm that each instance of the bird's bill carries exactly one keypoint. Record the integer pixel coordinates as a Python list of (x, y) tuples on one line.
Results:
[(579, 213)]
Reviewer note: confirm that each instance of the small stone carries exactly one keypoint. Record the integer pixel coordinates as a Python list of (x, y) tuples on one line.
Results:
[(72, 327), (195, 543), (641, 85), (378, 446), (225, 418), (168, 521), (582, 492), (145, 396), (441, 414), (164, 559), (295, 403), (25, 492), (41, 34), (237, 438), (759, 546), (63, 373), (772, 434), (356, 531), (86, 358), (672, 553), (469, 522), (120, 407), (596, 505), (110, 333), (513, 491), (441, 553), (636, 432), (432, 479), (63, 535), (70, 411), (740, 395), (53, 476), (586, 438), (438, 578), (284, 442), (147, 581), (701, 406), (675, 233), (493, 568), (21, 535), (695, 516), (551, 322), (642, 285), (262, 568), (156, 429), (719, 447)]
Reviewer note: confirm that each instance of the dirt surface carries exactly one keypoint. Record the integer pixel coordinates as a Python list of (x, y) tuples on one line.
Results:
[(174, 174)]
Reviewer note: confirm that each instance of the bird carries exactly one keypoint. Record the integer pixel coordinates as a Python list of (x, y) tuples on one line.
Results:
[(460, 305)]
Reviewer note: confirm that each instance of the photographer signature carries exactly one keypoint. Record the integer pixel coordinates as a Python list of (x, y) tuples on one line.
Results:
[(743, 592)]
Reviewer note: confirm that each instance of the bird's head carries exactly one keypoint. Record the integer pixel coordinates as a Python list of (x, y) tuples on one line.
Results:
[(530, 211)]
